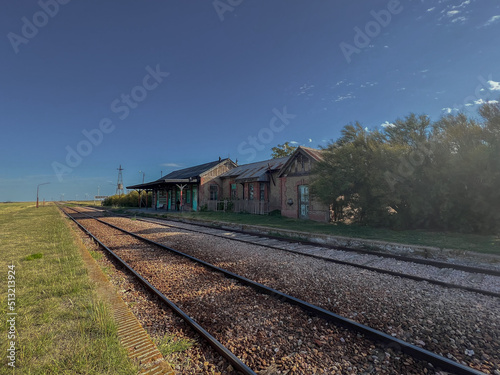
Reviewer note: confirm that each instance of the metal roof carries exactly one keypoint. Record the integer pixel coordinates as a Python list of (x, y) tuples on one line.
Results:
[(255, 171), (191, 174), (315, 153)]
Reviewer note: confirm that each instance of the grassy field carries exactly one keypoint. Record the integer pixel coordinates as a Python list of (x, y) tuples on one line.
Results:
[(470, 242), (62, 327)]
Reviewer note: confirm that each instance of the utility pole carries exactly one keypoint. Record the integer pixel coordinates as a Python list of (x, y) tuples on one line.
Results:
[(119, 184), (37, 189)]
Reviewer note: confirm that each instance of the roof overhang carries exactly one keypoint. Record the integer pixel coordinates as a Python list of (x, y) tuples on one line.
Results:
[(162, 183)]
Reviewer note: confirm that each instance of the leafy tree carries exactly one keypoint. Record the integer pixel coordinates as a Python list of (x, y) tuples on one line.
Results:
[(347, 178), (416, 174), (128, 200), (283, 150)]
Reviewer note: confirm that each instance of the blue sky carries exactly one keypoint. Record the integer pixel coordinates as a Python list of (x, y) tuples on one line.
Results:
[(157, 86)]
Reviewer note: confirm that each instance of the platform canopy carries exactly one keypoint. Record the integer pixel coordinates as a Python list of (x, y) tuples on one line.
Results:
[(181, 176)]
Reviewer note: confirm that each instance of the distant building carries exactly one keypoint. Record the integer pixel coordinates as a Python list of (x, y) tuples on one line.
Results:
[(187, 189), (257, 188)]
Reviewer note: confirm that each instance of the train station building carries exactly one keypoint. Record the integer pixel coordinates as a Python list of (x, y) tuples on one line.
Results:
[(258, 188)]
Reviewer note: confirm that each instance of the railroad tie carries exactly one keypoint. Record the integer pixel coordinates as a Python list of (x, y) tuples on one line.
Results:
[(130, 332)]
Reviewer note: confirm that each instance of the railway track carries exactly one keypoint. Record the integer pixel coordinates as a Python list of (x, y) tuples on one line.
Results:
[(450, 275), (321, 314)]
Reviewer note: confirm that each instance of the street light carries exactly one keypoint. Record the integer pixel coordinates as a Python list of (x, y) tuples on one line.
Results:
[(37, 189), (140, 200)]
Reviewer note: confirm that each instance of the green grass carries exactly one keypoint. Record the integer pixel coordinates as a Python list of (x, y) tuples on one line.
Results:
[(169, 345), (97, 255), (171, 348), (62, 326), (34, 256), (470, 242)]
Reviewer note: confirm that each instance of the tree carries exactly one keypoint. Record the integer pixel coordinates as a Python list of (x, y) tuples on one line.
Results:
[(283, 150), (416, 174), (349, 178)]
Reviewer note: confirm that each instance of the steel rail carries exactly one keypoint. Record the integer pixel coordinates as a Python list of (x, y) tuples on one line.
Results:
[(212, 341), (428, 262), (343, 262), (392, 342)]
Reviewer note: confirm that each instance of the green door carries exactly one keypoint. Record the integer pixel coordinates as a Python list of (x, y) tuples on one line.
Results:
[(195, 198), (303, 201)]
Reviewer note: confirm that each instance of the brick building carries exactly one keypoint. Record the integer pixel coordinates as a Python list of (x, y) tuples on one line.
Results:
[(257, 188), (189, 188), (295, 178)]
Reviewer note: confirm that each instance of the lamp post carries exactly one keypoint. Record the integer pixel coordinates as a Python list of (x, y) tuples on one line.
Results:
[(37, 189), (140, 200)]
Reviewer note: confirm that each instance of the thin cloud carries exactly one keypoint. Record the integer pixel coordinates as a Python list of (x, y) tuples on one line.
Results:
[(463, 5), (368, 84), (345, 97), (304, 89), (494, 86), (171, 165), (481, 102), (388, 124), (492, 20), (450, 110)]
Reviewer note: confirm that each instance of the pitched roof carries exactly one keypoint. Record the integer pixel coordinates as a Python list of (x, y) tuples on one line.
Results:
[(183, 175), (314, 153), (255, 171), (192, 172)]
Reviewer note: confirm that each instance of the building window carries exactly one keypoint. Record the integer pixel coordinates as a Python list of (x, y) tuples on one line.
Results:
[(250, 192), (234, 192), (213, 192), (262, 194), (188, 196)]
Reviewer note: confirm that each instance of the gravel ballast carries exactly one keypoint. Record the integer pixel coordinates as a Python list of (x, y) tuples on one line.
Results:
[(460, 325), (270, 336)]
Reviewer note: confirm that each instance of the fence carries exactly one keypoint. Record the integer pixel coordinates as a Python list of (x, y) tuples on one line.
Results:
[(250, 206)]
